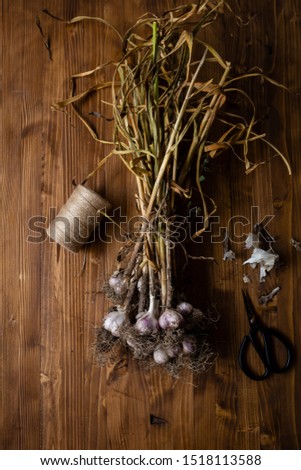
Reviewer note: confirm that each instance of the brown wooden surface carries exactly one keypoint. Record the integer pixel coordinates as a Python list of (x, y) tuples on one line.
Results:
[(53, 396)]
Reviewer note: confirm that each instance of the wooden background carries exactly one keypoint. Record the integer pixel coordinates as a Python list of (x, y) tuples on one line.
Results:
[(53, 395)]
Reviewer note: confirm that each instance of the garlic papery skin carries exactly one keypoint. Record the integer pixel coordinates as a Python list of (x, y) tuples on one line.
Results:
[(266, 260), (170, 319), (160, 356), (246, 279), (113, 321), (189, 344), (252, 241), (229, 255), (146, 323), (185, 308), (262, 274)]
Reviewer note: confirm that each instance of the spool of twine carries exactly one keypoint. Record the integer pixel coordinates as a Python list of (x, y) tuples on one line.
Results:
[(78, 218)]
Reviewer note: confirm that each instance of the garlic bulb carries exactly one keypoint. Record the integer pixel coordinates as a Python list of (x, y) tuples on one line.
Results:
[(160, 356), (184, 308), (113, 321), (173, 351), (170, 319), (189, 344), (146, 323), (118, 283)]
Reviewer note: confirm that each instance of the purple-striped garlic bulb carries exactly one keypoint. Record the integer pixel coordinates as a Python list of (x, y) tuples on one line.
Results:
[(185, 308), (170, 319), (173, 351), (146, 323), (189, 344)]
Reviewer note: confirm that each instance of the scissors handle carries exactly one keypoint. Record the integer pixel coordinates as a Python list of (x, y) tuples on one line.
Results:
[(270, 351), (243, 361), (266, 352)]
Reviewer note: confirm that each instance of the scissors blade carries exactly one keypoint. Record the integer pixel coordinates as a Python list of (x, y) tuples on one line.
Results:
[(251, 312)]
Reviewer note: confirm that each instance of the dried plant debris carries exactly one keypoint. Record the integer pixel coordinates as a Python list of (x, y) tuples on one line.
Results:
[(169, 124), (246, 279), (229, 254), (266, 260), (46, 41), (252, 241), (296, 245), (265, 299)]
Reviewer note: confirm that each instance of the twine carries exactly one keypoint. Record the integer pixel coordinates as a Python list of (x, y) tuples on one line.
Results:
[(78, 218)]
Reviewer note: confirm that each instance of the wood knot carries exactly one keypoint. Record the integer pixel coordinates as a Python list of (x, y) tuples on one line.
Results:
[(278, 203)]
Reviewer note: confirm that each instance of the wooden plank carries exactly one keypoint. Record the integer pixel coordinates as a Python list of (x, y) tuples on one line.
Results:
[(286, 198), (72, 389), (53, 395), (20, 273)]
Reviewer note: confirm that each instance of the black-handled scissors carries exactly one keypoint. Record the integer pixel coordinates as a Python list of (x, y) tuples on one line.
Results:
[(263, 341)]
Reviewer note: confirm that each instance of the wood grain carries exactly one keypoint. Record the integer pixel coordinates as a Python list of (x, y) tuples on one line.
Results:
[(53, 395)]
